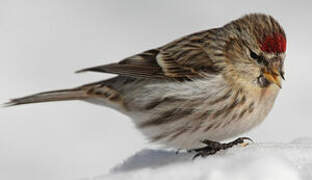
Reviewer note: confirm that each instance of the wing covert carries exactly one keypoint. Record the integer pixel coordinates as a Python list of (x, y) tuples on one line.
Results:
[(183, 58)]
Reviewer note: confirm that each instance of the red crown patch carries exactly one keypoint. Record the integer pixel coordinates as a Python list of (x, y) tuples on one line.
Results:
[(274, 44)]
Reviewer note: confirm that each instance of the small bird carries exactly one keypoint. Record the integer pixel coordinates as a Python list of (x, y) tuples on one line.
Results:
[(195, 91)]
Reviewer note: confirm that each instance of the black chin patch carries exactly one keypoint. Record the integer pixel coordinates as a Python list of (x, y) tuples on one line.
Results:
[(262, 81)]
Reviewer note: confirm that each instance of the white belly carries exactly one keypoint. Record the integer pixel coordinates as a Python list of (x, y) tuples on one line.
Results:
[(187, 131)]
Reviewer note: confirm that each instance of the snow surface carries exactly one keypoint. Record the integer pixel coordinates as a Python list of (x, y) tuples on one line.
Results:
[(267, 161)]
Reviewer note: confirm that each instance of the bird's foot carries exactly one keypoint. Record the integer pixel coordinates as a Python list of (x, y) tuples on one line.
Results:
[(213, 147)]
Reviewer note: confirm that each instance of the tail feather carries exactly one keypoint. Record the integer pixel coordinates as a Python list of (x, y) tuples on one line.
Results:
[(58, 95)]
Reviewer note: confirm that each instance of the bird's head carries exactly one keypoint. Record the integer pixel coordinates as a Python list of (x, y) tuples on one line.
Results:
[(256, 49)]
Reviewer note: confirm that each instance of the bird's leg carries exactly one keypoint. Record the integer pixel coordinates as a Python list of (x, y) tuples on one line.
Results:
[(213, 147)]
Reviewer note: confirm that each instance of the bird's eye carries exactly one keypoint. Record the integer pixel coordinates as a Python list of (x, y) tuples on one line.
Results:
[(259, 59), (254, 55)]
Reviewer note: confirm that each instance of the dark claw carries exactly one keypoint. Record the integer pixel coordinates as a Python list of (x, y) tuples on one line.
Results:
[(196, 156), (213, 147), (240, 140), (246, 138), (205, 153)]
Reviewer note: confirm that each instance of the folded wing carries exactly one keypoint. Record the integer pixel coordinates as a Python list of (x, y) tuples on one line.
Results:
[(183, 58)]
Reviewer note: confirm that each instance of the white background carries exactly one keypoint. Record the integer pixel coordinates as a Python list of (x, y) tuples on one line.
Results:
[(43, 42)]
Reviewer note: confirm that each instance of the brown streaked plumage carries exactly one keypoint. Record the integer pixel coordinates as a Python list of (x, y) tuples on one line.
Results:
[(214, 84)]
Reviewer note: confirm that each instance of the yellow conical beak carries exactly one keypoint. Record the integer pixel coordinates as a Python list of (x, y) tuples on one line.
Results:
[(273, 77)]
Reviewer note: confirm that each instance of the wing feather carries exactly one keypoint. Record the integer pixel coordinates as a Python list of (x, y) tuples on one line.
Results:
[(183, 58)]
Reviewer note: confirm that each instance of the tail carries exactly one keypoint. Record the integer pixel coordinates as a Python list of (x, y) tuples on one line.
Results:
[(59, 95)]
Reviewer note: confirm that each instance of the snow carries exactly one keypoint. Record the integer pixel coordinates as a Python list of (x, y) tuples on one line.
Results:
[(257, 161)]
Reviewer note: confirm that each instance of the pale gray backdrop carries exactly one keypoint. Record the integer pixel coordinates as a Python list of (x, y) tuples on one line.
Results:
[(43, 42)]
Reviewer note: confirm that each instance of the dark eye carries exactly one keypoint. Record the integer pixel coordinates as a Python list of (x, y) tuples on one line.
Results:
[(254, 55), (259, 59)]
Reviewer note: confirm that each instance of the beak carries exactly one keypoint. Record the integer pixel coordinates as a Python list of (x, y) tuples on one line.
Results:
[(273, 76), (282, 75)]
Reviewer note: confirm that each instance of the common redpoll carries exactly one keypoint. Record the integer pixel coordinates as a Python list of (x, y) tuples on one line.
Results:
[(201, 88)]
